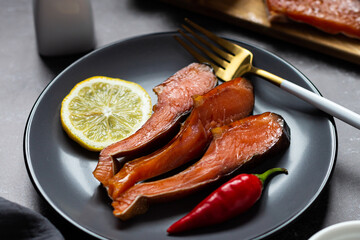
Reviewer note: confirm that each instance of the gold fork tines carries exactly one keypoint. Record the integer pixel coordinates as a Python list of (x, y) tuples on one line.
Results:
[(224, 56), (230, 60)]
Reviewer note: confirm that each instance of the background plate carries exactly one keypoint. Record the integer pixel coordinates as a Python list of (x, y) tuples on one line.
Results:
[(62, 171)]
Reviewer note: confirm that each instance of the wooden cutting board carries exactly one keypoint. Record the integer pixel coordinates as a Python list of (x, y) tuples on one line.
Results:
[(253, 14)]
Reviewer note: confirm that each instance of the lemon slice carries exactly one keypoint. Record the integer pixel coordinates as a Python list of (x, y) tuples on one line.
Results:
[(101, 110)]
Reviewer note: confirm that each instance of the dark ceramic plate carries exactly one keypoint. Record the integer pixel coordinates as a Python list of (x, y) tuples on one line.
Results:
[(62, 171)]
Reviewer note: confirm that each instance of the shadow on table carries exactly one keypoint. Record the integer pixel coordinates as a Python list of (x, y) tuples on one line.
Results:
[(57, 64), (68, 230)]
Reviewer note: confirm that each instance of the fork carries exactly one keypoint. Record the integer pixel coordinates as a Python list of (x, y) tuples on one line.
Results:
[(232, 61)]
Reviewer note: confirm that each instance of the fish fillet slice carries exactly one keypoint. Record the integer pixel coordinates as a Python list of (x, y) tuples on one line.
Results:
[(174, 101), (233, 145), (332, 16), (222, 105)]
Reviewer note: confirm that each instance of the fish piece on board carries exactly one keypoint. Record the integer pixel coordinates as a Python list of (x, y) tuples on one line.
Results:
[(222, 105), (332, 16), (174, 102), (233, 145)]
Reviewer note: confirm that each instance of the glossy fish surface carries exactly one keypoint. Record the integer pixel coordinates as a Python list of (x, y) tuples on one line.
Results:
[(222, 105), (233, 145), (174, 102), (332, 16)]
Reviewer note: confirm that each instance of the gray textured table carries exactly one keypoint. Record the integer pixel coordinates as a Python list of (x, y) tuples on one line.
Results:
[(24, 74)]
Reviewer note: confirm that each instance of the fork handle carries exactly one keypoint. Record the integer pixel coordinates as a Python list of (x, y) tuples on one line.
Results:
[(316, 100), (323, 104)]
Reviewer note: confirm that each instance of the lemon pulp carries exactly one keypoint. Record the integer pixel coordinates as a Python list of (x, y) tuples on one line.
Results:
[(101, 110)]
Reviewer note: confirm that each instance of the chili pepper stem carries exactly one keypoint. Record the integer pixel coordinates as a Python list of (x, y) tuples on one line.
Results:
[(269, 172)]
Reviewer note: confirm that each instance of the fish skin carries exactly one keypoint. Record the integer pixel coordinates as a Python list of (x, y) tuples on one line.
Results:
[(222, 105), (233, 145), (174, 102)]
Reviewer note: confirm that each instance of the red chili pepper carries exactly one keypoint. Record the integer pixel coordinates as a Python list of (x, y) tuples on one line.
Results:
[(229, 200)]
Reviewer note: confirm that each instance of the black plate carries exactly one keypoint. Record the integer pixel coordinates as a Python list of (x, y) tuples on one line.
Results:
[(62, 171)]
